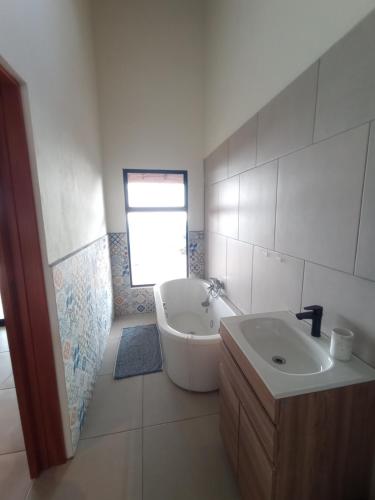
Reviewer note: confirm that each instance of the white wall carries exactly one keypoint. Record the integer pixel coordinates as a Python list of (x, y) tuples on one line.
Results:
[(254, 48), (49, 45), (150, 83)]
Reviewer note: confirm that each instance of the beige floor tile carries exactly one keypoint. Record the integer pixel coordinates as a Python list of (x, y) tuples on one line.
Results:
[(8, 383), (131, 320), (104, 468), (186, 460), (3, 340), (11, 437), (5, 368), (109, 357), (15, 481), (163, 401), (116, 406)]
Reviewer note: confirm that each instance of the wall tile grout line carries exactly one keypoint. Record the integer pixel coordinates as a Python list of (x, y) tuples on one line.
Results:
[(285, 155), (252, 279), (365, 173), (226, 259), (316, 100), (238, 206), (303, 284), (256, 138), (227, 156), (303, 259), (276, 200)]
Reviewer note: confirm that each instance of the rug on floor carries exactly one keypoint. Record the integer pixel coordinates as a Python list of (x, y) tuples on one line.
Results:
[(138, 352)]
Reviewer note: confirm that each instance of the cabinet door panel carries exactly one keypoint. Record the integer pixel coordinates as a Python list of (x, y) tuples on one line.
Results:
[(229, 418), (255, 472), (260, 420)]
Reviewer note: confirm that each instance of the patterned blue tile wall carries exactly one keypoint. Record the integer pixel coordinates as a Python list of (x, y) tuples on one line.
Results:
[(196, 254), (85, 309), (129, 300)]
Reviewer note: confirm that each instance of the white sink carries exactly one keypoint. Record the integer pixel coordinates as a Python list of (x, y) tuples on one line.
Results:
[(288, 359), (284, 347)]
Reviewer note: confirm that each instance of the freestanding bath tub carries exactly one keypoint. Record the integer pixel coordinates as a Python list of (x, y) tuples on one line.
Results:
[(189, 332)]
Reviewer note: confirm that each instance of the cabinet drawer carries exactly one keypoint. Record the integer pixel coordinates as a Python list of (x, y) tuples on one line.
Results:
[(259, 417), (268, 402), (229, 418), (255, 472)]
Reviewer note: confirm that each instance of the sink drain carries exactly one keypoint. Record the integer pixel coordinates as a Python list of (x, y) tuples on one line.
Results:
[(278, 360)]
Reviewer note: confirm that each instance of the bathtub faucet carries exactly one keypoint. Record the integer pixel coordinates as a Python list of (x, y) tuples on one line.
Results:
[(215, 288)]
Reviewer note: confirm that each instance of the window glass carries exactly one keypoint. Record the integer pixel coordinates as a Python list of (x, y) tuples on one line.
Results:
[(156, 190), (157, 225), (157, 243)]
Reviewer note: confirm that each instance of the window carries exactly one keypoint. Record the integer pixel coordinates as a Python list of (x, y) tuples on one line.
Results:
[(156, 218)]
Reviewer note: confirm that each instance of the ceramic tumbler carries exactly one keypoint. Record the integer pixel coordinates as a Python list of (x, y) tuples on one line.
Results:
[(341, 344)]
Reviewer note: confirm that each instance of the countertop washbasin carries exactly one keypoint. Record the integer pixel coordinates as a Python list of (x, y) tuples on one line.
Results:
[(288, 359), (283, 347)]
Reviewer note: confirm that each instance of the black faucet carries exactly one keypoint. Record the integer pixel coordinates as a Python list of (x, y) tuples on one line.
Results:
[(315, 313)]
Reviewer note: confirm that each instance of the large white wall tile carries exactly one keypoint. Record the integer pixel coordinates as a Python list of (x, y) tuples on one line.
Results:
[(346, 96), (286, 123), (217, 256), (239, 270), (365, 264), (277, 282), (228, 213), (212, 208), (319, 200), (216, 164), (348, 302), (242, 148), (257, 205)]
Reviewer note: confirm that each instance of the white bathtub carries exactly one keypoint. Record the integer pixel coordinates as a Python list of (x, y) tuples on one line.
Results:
[(189, 332)]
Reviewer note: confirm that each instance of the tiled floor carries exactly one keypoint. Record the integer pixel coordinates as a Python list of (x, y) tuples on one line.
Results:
[(3, 340), (144, 438), (14, 473)]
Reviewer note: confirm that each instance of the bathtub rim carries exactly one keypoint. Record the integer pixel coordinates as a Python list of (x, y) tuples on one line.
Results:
[(163, 324)]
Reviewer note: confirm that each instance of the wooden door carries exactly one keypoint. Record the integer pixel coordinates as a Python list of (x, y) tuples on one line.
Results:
[(23, 290)]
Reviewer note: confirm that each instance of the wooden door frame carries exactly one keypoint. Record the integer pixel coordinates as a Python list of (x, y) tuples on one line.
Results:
[(23, 290)]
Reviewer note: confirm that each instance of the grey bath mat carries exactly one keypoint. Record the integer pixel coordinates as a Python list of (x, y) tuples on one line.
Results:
[(138, 352)]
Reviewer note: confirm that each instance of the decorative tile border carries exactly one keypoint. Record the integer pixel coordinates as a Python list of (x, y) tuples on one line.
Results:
[(129, 300), (84, 301), (196, 254)]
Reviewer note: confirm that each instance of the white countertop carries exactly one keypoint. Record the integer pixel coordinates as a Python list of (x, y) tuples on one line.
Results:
[(282, 384)]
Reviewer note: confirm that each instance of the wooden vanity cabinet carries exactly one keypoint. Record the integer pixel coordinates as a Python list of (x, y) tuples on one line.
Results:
[(316, 446), (229, 419), (255, 471)]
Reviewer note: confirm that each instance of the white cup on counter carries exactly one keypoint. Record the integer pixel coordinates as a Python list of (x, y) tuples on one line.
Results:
[(341, 344)]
